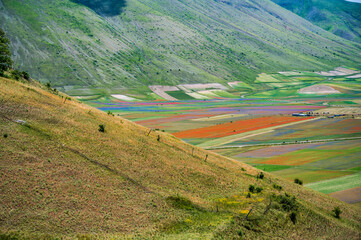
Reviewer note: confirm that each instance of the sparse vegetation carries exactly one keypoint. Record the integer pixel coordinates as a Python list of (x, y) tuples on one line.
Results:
[(25, 75), (298, 181), (293, 217), (259, 189), (337, 212), (276, 186), (16, 74), (101, 128)]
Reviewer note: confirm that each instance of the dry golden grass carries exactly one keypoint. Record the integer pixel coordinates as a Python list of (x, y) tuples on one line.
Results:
[(59, 175)]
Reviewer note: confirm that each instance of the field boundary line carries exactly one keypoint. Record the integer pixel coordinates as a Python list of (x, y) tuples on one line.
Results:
[(285, 143)]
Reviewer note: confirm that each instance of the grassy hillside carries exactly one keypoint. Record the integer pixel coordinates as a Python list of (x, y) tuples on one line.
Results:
[(340, 17), (145, 42), (61, 177)]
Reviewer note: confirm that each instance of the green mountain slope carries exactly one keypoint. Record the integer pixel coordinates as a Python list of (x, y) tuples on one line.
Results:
[(340, 17), (164, 42), (60, 177)]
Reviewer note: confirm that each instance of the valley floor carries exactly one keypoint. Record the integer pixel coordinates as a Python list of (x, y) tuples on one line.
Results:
[(315, 137)]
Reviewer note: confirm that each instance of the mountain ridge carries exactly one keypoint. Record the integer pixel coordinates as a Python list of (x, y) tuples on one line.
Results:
[(342, 18), (166, 42)]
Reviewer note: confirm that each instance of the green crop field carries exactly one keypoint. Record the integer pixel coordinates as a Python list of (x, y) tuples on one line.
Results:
[(180, 95), (311, 176), (338, 184), (270, 167)]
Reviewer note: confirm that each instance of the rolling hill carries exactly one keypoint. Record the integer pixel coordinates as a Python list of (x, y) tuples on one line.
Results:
[(61, 176), (342, 18), (88, 46)]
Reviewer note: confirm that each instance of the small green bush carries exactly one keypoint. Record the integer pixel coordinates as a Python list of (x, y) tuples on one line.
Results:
[(5, 135), (16, 74), (25, 75), (240, 232), (259, 189), (251, 188), (287, 202), (278, 187), (293, 217), (337, 211), (101, 128), (298, 181), (261, 176), (248, 195)]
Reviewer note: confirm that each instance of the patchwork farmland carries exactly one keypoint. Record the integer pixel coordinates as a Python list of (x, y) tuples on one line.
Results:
[(313, 136)]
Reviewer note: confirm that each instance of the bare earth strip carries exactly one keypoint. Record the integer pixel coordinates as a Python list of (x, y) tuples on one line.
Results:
[(355, 76), (340, 71), (352, 195), (346, 70), (123, 97), (218, 117), (160, 91), (318, 89), (201, 86), (236, 137)]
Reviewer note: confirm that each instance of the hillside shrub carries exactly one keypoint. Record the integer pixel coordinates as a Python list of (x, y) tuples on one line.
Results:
[(101, 128), (251, 188), (16, 74), (276, 186), (293, 217), (248, 195), (5, 135), (337, 211), (158, 138), (287, 202), (298, 181), (259, 189), (240, 233), (25, 75), (261, 176)]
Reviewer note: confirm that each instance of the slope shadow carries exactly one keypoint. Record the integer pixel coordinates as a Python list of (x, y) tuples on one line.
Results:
[(106, 8)]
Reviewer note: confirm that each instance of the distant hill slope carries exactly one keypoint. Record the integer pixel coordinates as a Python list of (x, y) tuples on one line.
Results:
[(340, 17), (61, 177), (164, 42)]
